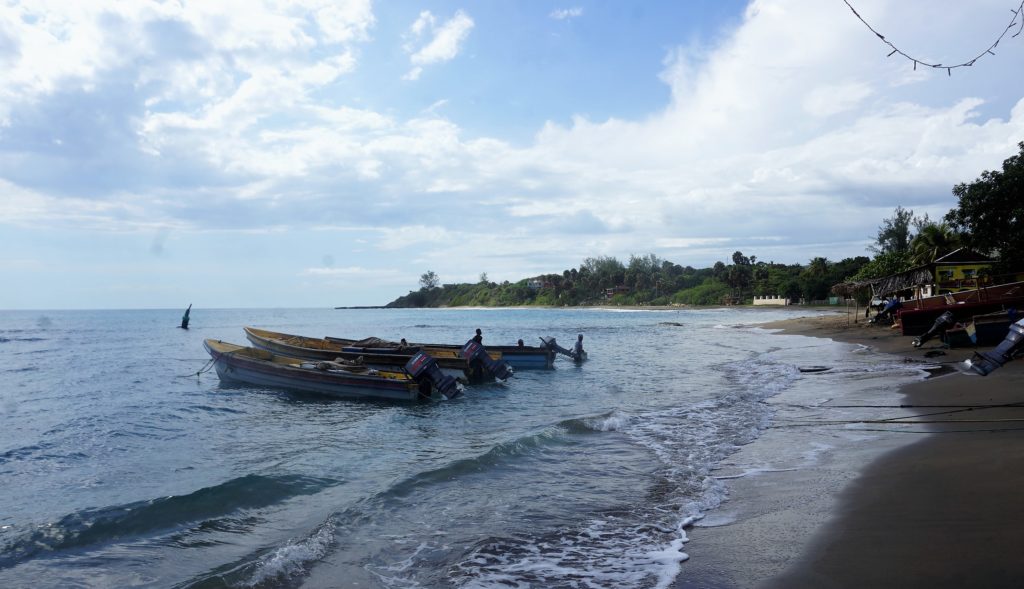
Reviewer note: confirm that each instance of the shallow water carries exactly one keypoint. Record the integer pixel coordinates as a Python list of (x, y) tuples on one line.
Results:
[(117, 468)]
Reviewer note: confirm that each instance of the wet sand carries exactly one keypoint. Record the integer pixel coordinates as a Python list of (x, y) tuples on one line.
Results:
[(940, 509)]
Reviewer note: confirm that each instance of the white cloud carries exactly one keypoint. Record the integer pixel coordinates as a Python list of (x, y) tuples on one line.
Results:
[(688, 242), (795, 125), (566, 13), (826, 101), (424, 22), (444, 45), (413, 74), (349, 272)]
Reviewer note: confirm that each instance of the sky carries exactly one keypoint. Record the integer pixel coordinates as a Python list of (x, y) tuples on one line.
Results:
[(321, 153)]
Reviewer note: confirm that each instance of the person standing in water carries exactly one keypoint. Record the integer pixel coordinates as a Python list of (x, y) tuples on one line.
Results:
[(577, 349)]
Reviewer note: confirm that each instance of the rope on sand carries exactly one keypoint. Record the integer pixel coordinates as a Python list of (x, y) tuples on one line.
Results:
[(891, 421), (990, 406), (945, 431), (953, 409)]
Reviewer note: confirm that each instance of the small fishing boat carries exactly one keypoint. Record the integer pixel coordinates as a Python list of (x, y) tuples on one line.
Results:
[(518, 357), (419, 378), (451, 361)]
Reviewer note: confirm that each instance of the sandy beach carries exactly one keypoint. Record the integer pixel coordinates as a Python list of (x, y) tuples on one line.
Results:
[(929, 505)]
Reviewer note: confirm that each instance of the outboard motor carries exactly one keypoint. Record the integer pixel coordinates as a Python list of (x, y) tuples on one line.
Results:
[(986, 362), (474, 352), (551, 344), (944, 322), (425, 371), (888, 314)]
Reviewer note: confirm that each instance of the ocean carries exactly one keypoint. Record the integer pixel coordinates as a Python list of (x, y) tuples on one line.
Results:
[(120, 467)]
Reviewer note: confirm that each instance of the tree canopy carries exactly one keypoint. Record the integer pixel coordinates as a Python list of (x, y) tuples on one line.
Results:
[(990, 212), (429, 280), (894, 233)]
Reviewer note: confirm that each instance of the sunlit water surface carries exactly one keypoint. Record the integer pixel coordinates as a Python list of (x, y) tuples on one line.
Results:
[(119, 469)]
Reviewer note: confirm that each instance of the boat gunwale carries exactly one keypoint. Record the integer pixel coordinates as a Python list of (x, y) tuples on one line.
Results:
[(312, 375)]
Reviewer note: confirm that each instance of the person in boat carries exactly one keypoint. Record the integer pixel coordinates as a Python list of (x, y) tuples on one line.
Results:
[(479, 337), (520, 343), (403, 344), (577, 349)]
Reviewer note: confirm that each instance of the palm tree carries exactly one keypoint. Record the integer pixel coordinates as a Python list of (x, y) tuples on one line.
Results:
[(933, 240), (818, 266)]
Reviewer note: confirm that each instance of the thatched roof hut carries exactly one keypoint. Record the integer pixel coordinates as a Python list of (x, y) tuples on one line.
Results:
[(889, 285)]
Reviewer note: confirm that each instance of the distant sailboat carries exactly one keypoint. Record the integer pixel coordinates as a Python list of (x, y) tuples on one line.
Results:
[(184, 318)]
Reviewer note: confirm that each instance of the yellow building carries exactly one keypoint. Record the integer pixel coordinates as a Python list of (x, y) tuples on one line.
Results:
[(960, 270)]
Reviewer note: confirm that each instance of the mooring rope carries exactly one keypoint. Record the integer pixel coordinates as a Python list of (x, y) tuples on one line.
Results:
[(206, 368)]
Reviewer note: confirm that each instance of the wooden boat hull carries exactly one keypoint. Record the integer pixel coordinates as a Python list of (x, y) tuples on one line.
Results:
[(991, 329), (918, 321), (263, 368), (310, 348), (525, 357), (917, 316)]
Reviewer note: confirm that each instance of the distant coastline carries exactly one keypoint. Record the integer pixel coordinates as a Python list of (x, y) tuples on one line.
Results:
[(672, 307)]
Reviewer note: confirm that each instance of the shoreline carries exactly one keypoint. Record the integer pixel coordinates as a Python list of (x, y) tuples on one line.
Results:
[(936, 508)]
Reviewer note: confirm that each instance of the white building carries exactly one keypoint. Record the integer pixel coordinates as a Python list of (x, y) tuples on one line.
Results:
[(774, 300)]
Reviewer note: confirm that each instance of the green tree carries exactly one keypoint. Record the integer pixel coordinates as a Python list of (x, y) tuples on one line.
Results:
[(933, 240), (884, 265), (815, 280), (740, 274), (429, 280), (604, 272), (894, 234), (990, 212)]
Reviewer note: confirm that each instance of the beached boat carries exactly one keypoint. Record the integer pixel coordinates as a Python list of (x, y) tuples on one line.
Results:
[(450, 361), (419, 379), (918, 315), (518, 357), (1011, 347), (990, 329)]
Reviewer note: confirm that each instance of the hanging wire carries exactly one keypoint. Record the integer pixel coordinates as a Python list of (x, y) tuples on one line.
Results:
[(1018, 13)]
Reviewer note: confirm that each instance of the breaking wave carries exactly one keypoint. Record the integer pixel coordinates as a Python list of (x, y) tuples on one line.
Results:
[(90, 527)]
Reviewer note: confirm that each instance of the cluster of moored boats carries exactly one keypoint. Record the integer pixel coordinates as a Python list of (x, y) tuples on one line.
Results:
[(374, 367)]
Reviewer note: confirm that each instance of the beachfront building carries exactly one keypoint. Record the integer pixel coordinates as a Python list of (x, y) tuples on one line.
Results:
[(958, 271), (609, 293), (772, 300)]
